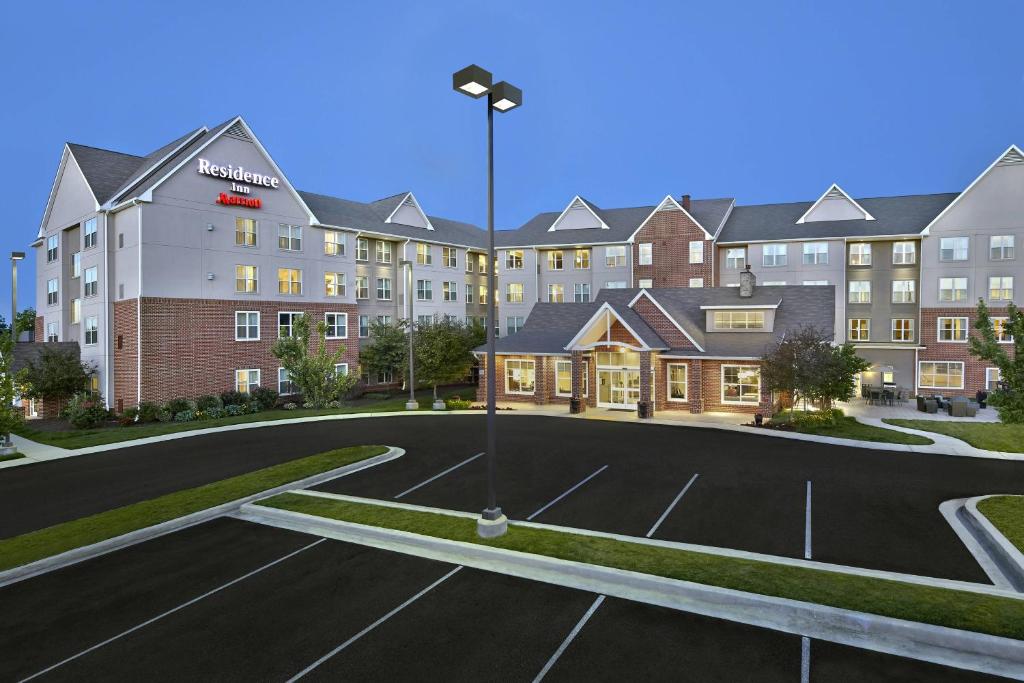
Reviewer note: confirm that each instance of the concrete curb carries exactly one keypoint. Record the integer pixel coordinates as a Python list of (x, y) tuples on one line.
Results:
[(76, 555), (941, 645), (974, 541), (1009, 559)]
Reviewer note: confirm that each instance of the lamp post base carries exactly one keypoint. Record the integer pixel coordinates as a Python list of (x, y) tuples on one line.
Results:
[(412, 405), (492, 523)]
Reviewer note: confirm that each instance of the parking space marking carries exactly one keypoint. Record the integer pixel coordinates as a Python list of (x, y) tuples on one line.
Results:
[(807, 524), (569, 638), (374, 625), (672, 505), (438, 476), (599, 471), (805, 642), (174, 609)]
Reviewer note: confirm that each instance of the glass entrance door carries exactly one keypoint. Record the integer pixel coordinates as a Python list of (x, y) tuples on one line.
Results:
[(618, 388)]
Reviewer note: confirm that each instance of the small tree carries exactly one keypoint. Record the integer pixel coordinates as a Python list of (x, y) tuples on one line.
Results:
[(55, 374), (10, 415), (387, 350), (443, 352), (25, 321), (806, 363), (833, 375), (1009, 399), (313, 372)]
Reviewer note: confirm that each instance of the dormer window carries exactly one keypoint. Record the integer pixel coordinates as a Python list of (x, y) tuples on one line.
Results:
[(739, 320)]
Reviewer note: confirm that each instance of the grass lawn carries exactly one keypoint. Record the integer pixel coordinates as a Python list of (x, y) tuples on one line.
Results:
[(83, 438), (11, 456), (36, 545), (1007, 514), (992, 436), (957, 609), (849, 428)]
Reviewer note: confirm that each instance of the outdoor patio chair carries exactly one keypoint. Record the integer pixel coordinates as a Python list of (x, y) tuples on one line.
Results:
[(957, 406)]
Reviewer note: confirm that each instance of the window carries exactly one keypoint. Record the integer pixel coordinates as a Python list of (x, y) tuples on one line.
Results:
[(334, 243), (285, 385), (92, 330), (469, 294), (514, 259), (581, 259), (340, 369), (289, 281), (904, 253), (903, 292), (903, 329), (940, 374), (362, 287), (860, 292), (741, 384), (385, 251), (76, 311), (1000, 247), (992, 378), (245, 232), (450, 257), (51, 248), (513, 324), (736, 258), (815, 253), (246, 380), (696, 282), (51, 332), (514, 292), (90, 234), (422, 320), (774, 283), (581, 292), (424, 254), (615, 284), (676, 382), (614, 257), (815, 283), (76, 264), (860, 330), (120, 240), (384, 289), (247, 325), (337, 325), (860, 254), (739, 320), (519, 376), (289, 237), (424, 290), (646, 256), (450, 291), (556, 293), (1000, 288), (563, 378), (952, 329), (555, 260), (645, 283), (952, 289), (470, 259), (247, 279), (481, 263), (482, 291), (362, 249), (334, 284), (286, 323), (696, 251), (999, 328), (384, 319), (52, 293), (92, 281), (773, 255), (364, 326), (953, 249)]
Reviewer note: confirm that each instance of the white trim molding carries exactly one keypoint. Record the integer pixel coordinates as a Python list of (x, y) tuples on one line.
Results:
[(673, 204), (835, 190), (646, 294)]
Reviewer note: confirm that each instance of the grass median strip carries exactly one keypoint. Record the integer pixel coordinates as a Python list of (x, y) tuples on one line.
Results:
[(59, 538), (940, 606), (1006, 514), (991, 436), (11, 456), (849, 428)]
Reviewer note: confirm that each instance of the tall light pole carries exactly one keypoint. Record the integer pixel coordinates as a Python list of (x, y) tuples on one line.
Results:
[(412, 403), (15, 257), (476, 82)]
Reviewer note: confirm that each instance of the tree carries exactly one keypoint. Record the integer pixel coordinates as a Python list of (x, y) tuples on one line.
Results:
[(387, 350), (807, 364), (1009, 399), (833, 376), (444, 352), (55, 374), (314, 373), (10, 415), (25, 320)]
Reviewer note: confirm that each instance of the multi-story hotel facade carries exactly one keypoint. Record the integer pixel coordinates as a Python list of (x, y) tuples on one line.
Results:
[(176, 271)]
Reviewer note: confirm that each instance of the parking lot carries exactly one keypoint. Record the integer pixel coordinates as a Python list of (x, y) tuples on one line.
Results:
[(231, 600)]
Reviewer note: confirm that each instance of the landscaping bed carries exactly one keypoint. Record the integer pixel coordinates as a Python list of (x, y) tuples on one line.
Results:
[(841, 427), (994, 615), (1006, 514), (11, 456), (59, 538), (990, 436)]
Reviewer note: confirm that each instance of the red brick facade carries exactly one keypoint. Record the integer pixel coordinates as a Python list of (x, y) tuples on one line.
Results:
[(974, 369), (189, 349), (670, 232), (40, 330), (660, 323)]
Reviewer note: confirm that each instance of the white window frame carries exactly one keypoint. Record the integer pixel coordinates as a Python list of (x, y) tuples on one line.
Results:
[(696, 251), (246, 325), (1004, 244), (558, 371), (249, 384), (777, 253), (94, 280), (245, 272), (52, 292), (523, 365), (736, 258), (615, 256), (334, 243), (992, 385), (696, 282), (246, 228), (364, 318), (519, 297), (362, 249), (514, 259), (859, 288), (340, 285), (341, 369), (556, 260), (290, 282), (860, 254), (76, 264), (91, 326), (362, 287), (450, 257), (424, 290), (469, 293), (814, 283), (740, 384), (89, 232), (52, 332), (964, 328), (520, 321), (52, 248), (892, 329), (901, 251), (339, 315), (645, 283), (384, 289), (616, 284), (908, 294), (449, 291), (581, 292), (281, 382), (1001, 281), (290, 236), (384, 251), (815, 254), (953, 290), (849, 330), (955, 246), (424, 254), (645, 254), (581, 259), (556, 293), (669, 382), (936, 363), (999, 329), (291, 323)]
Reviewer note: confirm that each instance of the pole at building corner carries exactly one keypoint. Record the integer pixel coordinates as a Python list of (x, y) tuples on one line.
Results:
[(412, 403)]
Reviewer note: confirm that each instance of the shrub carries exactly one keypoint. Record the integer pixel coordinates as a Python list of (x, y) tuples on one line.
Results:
[(85, 411), (185, 416), (335, 404), (234, 398), (377, 395), (179, 405), (234, 409), (148, 412), (456, 403), (264, 397), (291, 406), (207, 403), (817, 419), (214, 413), (164, 415)]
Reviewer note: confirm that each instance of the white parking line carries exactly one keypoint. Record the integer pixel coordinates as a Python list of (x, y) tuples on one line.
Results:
[(174, 609), (374, 625), (673, 504), (438, 476), (807, 524), (599, 471), (805, 642), (569, 638)]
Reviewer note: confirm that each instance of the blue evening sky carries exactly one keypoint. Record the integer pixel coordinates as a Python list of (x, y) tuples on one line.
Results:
[(624, 102)]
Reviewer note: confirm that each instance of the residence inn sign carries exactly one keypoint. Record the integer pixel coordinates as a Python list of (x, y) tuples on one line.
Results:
[(238, 175)]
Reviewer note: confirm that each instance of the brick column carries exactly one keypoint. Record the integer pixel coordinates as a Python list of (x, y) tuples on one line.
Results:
[(578, 379), (645, 379), (696, 386), (542, 382), (481, 387)]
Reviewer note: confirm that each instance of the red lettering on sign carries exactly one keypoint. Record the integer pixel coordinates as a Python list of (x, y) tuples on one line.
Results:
[(250, 202)]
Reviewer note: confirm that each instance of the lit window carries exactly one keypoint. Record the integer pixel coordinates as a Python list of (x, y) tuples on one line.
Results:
[(424, 254), (739, 320), (246, 380), (481, 263), (384, 251), (514, 259), (247, 325), (615, 257), (904, 253), (450, 291), (556, 293), (76, 264), (953, 248), (860, 329), (337, 325), (992, 378), (289, 237), (741, 384), (334, 243), (555, 260), (289, 281), (860, 254), (581, 259), (696, 251), (645, 283), (245, 232), (999, 328), (334, 284), (76, 311), (903, 329), (514, 293), (940, 374), (677, 381), (952, 329), (646, 256), (520, 376), (1000, 288), (903, 292), (247, 279)]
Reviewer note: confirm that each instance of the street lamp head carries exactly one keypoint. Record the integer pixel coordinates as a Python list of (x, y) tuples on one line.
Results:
[(505, 96), (472, 81), (17, 255)]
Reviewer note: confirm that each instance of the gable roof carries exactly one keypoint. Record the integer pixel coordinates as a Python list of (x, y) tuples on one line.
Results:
[(1012, 155), (576, 203), (155, 160), (835, 192), (906, 215), (389, 206), (669, 203), (104, 170)]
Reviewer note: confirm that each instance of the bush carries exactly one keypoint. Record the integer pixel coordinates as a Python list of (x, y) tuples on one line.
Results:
[(335, 404), (264, 397), (207, 403), (291, 406), (456, 403), (215, 413), (128, 416), (164, 415), (148, 412), (185, 416), (85, 411), (234, 398), (820, 418), (1009, 405), (377, 395), (234, 409), (179, 405)]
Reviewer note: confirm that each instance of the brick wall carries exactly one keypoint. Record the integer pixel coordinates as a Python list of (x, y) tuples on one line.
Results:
[(544, 381), (711, 383), (660, 323), (619, 334), (671, 233), (125, 354), (40, 330), (694, 396), (974, 369)]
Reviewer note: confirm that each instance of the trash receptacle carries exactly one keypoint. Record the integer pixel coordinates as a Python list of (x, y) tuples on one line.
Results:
[(643, 410), (575, 405)]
